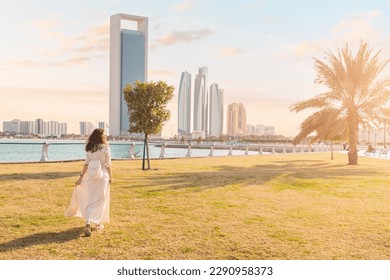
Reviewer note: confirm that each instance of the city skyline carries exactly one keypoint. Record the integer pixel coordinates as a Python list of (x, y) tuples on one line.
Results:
[(48, 128), (55, 60)]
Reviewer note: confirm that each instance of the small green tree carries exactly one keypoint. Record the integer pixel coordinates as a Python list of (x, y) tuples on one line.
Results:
[(146, 102)]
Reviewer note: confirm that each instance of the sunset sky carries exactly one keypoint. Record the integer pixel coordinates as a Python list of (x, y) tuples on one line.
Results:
[(54, 55)]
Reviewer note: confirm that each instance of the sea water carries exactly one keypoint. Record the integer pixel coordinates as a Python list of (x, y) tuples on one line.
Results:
[(26, 150)]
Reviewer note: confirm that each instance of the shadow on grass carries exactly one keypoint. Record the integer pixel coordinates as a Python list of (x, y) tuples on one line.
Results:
[(223, 175), (38, 176), (41, 238)]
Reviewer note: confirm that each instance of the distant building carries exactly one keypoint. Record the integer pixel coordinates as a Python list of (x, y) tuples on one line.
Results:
[(269, 130), (236, 119), (27, 127), (52, 128), (103, 125), (11, 126), (184, 105), (86, 128), (262, 129), (216, 110), (128, 64), (200, 101)]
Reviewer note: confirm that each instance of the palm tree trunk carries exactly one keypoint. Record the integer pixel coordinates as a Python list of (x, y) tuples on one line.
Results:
[(331, 150), (353, 141)]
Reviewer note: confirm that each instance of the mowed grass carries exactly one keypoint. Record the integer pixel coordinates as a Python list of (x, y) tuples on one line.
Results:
[(301, 206)]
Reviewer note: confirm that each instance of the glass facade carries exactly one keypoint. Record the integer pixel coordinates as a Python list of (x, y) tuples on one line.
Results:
[(200, 101), (216, 110), (184, 105), (132, 68)]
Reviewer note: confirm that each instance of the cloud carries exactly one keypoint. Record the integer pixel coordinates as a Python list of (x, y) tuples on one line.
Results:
[(160, 73), (358, 23), (230, 51), (76, 60), (358, 27), (183, 36), (183, 6), (66, 51)]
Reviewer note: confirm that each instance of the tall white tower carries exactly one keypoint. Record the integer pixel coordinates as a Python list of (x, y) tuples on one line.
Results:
[(184, 105), (128, 64), (201, 94), (216, 110)]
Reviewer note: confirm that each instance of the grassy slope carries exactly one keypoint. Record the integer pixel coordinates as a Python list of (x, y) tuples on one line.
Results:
[(260, 207)]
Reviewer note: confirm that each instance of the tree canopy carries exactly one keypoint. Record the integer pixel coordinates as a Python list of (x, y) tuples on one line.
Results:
[(355, 96), (146, 103)]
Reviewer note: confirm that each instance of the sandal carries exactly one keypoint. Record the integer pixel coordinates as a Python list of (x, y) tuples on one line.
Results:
[(87, 230)]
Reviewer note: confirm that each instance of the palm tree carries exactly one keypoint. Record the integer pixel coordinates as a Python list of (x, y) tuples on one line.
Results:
[(355, 96)]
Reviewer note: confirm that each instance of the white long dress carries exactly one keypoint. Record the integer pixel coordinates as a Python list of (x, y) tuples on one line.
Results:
[(91, 199)]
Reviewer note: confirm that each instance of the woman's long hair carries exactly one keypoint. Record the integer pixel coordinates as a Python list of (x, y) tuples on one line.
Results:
[(97, 137)]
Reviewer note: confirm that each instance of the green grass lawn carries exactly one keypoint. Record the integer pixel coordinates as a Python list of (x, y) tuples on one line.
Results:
[(301, 206)]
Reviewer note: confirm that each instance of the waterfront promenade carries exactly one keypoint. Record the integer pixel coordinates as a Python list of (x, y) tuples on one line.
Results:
[(18, 151), (294, 206)]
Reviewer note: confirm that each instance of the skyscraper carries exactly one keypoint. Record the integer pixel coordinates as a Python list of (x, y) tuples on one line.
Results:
[(216, 110), (200, 101), (184, 105), (236, 119), (128, 64)]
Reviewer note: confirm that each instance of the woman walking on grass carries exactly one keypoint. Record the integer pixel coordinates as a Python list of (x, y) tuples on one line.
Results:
[(91, 197)]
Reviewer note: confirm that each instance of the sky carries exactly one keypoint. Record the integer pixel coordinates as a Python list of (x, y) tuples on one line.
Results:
[(54, 55)]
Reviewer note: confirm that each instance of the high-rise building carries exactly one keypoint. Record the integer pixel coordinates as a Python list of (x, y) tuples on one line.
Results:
[(86, 128), (216, 110), (52, 128), (39, 126), (103, 125), (184, 105), (236, 119), (200, 101), (11, 126), (27, 127), (128, 64)]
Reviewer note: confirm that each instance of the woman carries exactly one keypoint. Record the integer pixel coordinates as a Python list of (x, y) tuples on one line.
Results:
[(91, 197)]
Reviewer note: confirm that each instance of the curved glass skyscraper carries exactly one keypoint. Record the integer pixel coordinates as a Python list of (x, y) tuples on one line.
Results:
[(216, 110), (200, 101), (184, 105)]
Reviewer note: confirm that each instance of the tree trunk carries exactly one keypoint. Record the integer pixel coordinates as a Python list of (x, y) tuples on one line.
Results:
[(143, 155), (331, 150), (353, 141), (147, 150)]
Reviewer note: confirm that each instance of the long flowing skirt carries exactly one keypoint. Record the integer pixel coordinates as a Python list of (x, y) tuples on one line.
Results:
[(91, 200)]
